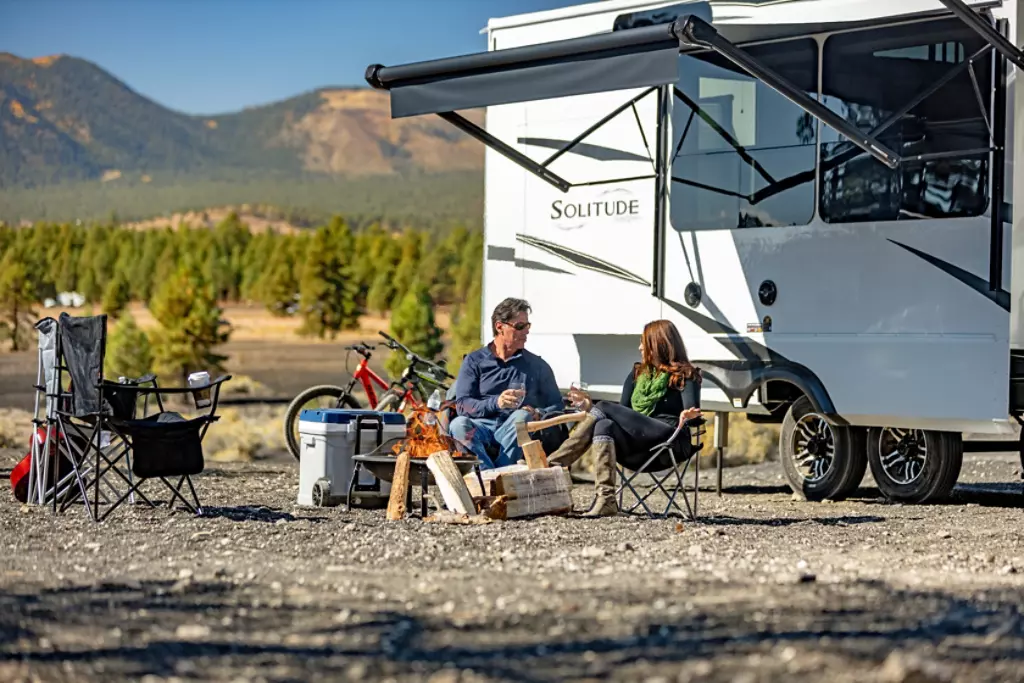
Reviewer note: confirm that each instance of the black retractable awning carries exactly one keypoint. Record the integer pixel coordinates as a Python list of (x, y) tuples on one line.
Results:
[(617, 61), (620, 60)]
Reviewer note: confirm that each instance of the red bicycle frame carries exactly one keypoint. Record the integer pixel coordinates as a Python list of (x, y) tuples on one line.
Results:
[(367, 377)]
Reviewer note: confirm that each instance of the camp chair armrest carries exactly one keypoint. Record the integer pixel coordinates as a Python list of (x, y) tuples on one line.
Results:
[(175, 390)]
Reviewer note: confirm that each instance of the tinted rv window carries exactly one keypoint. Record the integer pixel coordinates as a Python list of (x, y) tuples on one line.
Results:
[(743, 155), (867, 75)]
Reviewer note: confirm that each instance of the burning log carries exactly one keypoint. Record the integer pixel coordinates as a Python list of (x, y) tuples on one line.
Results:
[(423, 436)]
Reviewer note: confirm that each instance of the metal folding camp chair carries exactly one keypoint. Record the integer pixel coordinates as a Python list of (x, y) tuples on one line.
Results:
[(112, 450), (663, 465)]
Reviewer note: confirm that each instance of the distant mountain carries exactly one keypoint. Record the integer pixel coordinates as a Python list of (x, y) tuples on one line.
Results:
[(65, 120)]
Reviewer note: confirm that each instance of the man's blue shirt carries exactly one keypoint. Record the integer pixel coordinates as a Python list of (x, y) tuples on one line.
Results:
[(483, 376)]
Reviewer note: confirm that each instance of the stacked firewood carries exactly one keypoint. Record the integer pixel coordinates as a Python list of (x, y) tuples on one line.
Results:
[(523, 490)]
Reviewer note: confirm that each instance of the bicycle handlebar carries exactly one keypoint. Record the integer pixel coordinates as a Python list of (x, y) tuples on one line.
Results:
[(362, 348), (396, 345)]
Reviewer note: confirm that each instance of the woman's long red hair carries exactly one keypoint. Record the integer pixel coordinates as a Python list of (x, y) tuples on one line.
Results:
[(664, 351)]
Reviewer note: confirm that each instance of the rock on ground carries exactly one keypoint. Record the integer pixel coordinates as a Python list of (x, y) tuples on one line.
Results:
[(765, 587)]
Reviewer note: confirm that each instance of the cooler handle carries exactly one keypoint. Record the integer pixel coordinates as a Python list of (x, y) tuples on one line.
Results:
[(377, 424)]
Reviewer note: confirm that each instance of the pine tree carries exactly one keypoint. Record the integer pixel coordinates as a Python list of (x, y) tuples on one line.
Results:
[(328, 300), (465, 329), (405, 272), (17, 294), (128, 350), (149, 250), (412, 323), (278, 287), (381, 293), (116, 295), (191, 326), (470, 262)]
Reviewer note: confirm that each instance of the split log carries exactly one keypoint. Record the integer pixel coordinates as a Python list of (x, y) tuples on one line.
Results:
[(503, 507), (532, 482), (473, 484), (548, 504), (399, 487), (449, 480), (536, 458)]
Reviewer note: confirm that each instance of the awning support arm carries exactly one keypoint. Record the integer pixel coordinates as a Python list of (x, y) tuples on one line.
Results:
[(579, 138), (916, 100), (693, 31), (475, 131), (722, 132), (978, 24)]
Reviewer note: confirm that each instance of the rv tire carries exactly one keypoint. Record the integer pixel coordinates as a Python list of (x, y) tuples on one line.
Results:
[(917, 465), (830, 465)]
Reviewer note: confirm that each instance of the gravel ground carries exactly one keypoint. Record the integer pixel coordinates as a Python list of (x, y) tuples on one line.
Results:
[(764, 588)]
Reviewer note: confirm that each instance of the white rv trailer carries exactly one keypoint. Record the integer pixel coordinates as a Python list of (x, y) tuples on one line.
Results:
[(818, 193)]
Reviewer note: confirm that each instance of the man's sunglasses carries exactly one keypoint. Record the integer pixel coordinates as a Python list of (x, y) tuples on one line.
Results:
[(519, 327)]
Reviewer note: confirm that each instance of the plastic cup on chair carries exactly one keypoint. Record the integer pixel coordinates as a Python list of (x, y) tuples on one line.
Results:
[(201, 396)]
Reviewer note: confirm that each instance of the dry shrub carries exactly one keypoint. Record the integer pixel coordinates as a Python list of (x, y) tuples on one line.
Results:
[(749, 442), (15, 428), (246, 433), (243, 385)]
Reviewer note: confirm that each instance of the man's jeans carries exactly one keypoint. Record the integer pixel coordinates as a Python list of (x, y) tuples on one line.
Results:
[(477, 434)]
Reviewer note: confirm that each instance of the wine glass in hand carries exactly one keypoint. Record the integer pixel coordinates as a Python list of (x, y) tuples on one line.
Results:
[(520, 389), (578, 395)]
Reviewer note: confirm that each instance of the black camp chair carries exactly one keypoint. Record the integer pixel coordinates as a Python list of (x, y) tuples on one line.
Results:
[(161, 445), (662, 464)]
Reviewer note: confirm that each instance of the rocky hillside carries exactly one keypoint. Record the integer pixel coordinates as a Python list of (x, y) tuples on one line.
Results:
[(64, 119)]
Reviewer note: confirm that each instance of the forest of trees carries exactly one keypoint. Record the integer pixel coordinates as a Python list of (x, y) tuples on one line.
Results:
[(328, 276)]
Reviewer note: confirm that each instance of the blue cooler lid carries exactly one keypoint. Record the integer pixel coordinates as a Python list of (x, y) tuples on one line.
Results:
[(341, 416)]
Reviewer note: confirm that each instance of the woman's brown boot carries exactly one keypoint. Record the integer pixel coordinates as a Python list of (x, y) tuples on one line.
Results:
[(573, 448), (605, 504)]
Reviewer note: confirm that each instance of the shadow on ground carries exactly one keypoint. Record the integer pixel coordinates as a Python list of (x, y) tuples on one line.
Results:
[(223, 630)]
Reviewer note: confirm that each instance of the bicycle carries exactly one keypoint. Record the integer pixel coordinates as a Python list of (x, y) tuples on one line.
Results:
[(409, 391)]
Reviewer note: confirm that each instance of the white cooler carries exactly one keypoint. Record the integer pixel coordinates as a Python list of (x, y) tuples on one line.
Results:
[(327, 441)]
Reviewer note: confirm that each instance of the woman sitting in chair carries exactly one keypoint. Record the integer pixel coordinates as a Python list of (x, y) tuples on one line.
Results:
[(661, 392)]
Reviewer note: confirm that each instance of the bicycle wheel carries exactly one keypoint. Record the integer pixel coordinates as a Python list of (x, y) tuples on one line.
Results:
[(318, 397), (390, 402)]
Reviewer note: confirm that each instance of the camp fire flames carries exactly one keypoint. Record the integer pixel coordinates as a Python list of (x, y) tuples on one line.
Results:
[(423, 437)]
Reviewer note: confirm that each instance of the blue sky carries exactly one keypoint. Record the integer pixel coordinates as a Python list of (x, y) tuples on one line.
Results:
[(216, 56)]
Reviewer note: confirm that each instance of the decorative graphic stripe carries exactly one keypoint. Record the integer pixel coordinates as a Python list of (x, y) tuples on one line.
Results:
[(1001, 298), (585, 149), (583, 260), (508, 255)]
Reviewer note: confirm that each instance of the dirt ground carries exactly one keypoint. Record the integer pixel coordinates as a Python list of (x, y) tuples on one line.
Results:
[(763, 588)]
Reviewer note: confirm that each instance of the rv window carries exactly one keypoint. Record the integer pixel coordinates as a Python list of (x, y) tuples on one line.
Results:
[(733, 137), (867, 75)]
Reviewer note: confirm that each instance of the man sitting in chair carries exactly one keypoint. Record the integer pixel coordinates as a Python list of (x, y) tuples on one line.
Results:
[(501, 384), (659, 393)]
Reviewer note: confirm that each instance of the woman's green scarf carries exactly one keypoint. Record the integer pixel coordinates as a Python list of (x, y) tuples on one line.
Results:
[(648, 390)]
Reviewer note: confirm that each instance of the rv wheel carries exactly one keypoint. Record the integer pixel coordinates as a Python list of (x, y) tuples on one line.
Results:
[(820, 460), (914, 465)]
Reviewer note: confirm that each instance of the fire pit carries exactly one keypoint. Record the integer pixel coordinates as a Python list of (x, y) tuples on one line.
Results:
[(423, 439), (383, 466)]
